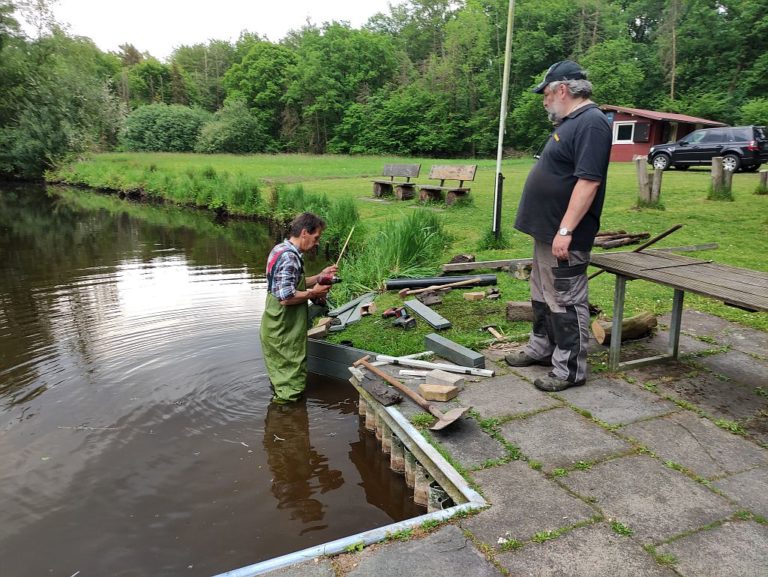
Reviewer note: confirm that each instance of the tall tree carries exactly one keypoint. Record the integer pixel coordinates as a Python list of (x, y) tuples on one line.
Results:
[(261, 80), (205, 66), (334, 66), (39, 15), (60, 103), (9, 26)]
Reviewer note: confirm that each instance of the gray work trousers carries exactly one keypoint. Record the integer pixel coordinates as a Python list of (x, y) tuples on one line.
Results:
[(560, 311)]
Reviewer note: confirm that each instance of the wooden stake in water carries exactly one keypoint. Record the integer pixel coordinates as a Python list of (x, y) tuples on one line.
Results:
[(343, 248)]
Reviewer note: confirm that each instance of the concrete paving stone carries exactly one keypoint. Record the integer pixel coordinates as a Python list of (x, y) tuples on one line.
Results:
[(594, 551), (505, 396), (719, 398), (314, 568), (468, 444), (749, 489), (654, 501), (738, 367), (659, 343), (562, 438), (697, 444), (442, 553), (740, 338), (616, 401), (757, 428), (523, 503), (735, 549)]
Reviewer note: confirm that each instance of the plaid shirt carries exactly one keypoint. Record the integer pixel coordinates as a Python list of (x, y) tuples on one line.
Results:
[(287, 271)]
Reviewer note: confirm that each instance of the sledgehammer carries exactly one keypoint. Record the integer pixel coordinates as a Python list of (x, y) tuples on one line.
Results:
[(443, 419)]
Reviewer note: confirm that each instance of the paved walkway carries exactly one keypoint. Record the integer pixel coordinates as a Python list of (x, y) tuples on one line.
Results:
[(659, 471)]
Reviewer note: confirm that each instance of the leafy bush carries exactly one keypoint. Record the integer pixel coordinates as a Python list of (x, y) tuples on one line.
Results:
[(234, 129), (754, 112), (163, 128)]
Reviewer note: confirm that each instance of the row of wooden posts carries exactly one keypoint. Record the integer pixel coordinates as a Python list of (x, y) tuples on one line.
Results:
[(426, 491), (649, 184)]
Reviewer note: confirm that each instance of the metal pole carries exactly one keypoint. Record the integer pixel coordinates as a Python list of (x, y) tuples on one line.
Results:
[(502, 121)]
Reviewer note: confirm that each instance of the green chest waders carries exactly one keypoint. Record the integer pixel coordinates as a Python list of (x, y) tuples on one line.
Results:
[(284, 344)]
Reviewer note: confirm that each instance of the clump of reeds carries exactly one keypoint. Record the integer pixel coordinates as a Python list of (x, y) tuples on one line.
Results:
[(408, 248)]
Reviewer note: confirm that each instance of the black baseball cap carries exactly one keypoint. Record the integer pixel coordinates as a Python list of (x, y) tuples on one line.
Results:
[(563, 70)]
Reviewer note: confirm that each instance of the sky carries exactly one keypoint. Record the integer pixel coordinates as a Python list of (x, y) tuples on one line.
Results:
[(159, 26)]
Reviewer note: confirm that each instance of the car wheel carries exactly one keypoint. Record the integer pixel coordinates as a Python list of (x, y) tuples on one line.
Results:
[(731, 162), (661, 161)]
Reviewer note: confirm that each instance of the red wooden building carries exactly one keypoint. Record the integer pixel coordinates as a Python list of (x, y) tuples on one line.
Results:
[(636, 130)]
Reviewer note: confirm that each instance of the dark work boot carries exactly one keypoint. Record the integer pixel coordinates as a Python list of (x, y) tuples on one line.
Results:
[(520, 359), (553, 384)]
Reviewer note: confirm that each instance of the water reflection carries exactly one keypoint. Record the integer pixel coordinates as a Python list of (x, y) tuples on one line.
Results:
[(298, 470), (134, 404)]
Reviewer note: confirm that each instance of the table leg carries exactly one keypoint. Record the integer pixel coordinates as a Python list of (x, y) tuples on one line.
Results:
[(674, 326), (618, 318)]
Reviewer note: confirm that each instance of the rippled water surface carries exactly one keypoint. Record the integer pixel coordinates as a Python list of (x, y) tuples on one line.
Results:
[(136, 432)]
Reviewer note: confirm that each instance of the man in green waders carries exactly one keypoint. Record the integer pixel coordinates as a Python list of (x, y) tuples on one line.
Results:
[(286, 315)]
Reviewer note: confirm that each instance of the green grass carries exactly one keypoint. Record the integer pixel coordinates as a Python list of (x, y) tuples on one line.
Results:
[(238, 182)]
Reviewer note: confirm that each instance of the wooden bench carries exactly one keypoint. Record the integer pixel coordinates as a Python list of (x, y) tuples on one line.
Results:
[(738, 287), (403, 190), (461, 173)]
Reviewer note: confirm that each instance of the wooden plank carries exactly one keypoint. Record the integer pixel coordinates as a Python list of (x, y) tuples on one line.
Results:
[(402, 170), (435, 320), (502, 264), (740, 287), (453, 172), (454, 352), (432, 187)]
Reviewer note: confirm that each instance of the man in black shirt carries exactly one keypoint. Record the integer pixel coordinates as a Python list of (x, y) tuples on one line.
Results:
[(560, 208)]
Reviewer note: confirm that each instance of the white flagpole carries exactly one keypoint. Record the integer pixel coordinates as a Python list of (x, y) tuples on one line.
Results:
[(502, 121)]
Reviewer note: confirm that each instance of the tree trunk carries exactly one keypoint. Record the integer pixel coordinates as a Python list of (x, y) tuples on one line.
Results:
[(631, 328), (644, 187)]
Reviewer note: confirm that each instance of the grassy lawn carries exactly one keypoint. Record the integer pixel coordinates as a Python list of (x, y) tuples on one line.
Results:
[(739, 227)]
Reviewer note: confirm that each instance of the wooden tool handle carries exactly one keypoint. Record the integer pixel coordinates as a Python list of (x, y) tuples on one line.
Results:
[(418, 399), (343, 248), (443, 286)]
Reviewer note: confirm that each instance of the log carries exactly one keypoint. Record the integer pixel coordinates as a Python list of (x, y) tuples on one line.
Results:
[(656, 185), (611, 233), (643, 185), (519, 311), (632, 328), (717, 174), (631, 239)]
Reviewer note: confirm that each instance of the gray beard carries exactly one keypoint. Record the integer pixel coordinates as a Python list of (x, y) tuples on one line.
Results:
[(554, 118)]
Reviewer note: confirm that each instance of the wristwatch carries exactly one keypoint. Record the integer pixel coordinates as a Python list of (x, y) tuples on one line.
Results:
[(564, 232)]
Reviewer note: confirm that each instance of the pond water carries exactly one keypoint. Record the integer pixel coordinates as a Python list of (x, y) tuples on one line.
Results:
[(136, 431)]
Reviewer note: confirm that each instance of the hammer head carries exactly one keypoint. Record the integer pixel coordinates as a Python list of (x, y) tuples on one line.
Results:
[(359, 362)]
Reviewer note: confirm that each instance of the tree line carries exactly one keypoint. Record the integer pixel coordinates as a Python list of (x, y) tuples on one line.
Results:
[(422, 79)]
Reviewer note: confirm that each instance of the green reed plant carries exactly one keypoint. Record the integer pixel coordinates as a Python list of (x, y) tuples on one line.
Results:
[(409, 247)]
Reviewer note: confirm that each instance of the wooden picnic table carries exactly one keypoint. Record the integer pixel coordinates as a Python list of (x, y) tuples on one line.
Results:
[(739, 287)]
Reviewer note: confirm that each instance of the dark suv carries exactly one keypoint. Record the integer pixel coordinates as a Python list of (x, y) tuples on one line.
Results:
[(742, 147)]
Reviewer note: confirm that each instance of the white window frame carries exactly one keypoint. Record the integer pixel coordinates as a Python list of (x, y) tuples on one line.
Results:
[(616, 131)]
